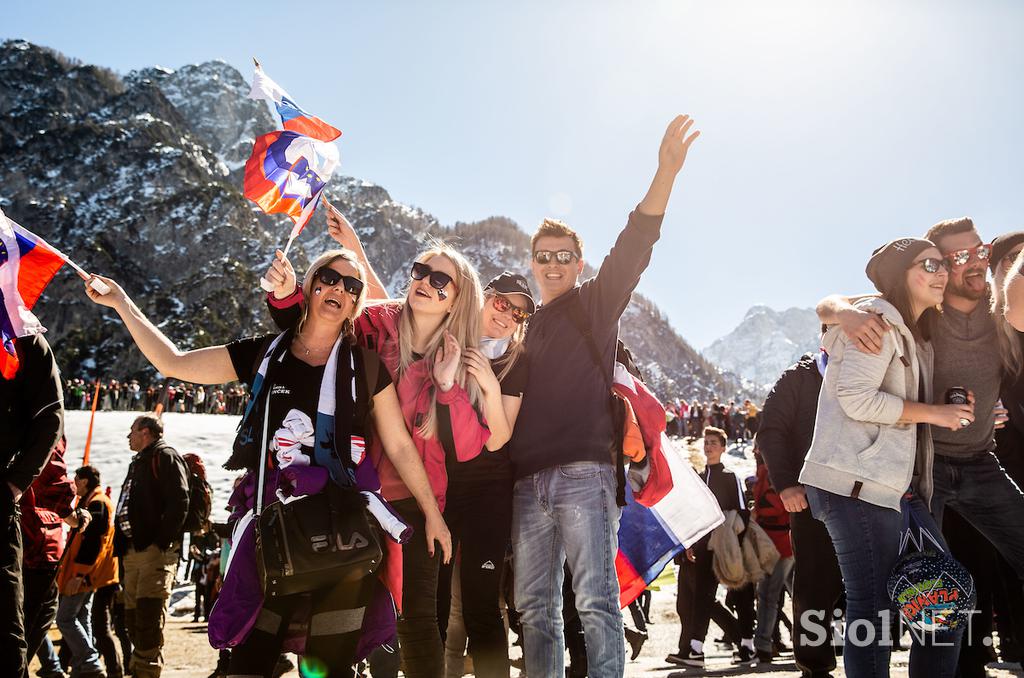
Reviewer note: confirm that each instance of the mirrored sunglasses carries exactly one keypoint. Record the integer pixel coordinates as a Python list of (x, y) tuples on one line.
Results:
[(561, 256), (961, 257), (501, 305), (932, 265)]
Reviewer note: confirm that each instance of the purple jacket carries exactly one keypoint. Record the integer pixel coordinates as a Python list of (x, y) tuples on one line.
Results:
[(241, 597)]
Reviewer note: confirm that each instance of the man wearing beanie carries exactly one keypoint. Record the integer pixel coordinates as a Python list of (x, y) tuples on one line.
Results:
[(967, 476)]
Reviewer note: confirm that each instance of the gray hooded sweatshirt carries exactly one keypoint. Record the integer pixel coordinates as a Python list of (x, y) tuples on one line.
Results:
[(859, 449)]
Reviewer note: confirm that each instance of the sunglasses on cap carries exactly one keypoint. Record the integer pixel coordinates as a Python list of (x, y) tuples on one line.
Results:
[(328, 276), (437, 279), (563, 257), (501, 305), (932, 265), (960, 257)]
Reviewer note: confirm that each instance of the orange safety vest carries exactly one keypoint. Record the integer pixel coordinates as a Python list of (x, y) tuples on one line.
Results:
[(101, 573)]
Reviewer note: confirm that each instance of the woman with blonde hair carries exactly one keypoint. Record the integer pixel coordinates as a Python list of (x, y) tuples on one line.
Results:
[(310, 384), (422, 340)]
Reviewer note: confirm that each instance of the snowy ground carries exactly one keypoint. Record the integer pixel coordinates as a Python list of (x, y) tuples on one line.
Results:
[(187, 652)]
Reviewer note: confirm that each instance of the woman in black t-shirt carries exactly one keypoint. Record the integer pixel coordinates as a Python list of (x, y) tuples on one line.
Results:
[(288, 375)]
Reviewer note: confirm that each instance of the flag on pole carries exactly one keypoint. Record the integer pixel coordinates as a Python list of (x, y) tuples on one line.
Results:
[(293, 118), (27, 265)]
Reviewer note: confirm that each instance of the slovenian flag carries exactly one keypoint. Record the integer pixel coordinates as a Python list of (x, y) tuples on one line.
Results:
[(286, 174), (293, 118), (27, 265), (671, 510)]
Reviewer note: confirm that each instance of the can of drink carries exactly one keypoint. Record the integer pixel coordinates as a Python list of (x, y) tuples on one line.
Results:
[(957, 395)]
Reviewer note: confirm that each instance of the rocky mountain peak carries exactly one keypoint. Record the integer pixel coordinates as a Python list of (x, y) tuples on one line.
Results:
[(139, 178)]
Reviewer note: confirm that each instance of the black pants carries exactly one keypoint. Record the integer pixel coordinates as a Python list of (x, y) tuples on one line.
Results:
[(817, 587), (40, 605), (13, 655), (419, 637), (696, 604), (480, 520), (572, 627), (120, 625), (335, 623), (102, 609)]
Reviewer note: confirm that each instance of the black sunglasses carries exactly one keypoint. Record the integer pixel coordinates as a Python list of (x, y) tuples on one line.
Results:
[(328, 276), (932, 265), (438, 280), (563, 257)]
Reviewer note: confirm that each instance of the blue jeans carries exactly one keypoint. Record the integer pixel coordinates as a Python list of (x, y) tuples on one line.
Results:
[(76, 629), (48, 662), (866, 539), (568, 514), (979, 490), (768, 591)]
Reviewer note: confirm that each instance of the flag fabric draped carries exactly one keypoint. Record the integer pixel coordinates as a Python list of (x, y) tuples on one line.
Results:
[(650, 537), (289, 168), (27, 265), (293, 118), (670, 511)]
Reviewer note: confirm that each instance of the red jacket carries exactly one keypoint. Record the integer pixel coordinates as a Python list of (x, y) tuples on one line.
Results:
[(770, 513), (377, 329), (43, 505)]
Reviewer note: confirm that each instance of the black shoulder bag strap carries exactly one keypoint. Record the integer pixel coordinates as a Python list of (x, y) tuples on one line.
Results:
[(615, 409)]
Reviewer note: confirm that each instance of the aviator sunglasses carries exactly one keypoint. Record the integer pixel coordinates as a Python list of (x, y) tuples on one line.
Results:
[(501, 305), (960, 257), (438, 280), (563, 257), (932, 265), (328, 276)]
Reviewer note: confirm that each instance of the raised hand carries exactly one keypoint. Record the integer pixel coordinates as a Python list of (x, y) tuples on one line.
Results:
[(339, 228), (676, 143), (446, 362), (281, 276)]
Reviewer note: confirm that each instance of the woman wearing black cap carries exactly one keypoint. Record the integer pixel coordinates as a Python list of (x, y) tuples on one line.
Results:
[(868, 461)]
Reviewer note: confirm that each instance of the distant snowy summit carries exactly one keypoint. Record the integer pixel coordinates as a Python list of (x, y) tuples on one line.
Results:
[(765, 343)]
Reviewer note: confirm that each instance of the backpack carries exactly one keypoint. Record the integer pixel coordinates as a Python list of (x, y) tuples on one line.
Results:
[(200, 500)]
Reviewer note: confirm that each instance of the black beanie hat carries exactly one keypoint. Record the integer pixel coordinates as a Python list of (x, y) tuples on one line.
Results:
[(891, 261), (1002, 245)]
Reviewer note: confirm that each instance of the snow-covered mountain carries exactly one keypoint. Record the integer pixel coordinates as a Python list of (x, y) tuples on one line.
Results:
[(765, 343), (139, 177)]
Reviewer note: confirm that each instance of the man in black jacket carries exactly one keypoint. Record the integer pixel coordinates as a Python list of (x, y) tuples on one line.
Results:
[(31, 423), (150, 519), (564, 506), (784, 436)]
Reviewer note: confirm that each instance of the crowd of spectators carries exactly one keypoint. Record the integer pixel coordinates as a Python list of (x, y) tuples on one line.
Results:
[(129, 395), (688, 419)]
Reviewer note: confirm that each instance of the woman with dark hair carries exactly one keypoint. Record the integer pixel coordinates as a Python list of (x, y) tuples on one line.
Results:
[(871, 455), (311, 386)]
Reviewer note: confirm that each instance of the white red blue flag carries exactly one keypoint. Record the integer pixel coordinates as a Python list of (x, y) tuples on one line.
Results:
[(27, 265), (288, 169), (293, 118), (286, 174)]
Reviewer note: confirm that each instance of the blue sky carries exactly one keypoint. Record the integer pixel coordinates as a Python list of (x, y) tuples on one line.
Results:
[(827, 128)]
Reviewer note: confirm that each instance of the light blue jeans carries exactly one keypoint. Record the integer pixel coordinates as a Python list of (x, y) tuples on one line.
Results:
[(768, 591), (568, 514), (73, 620)]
